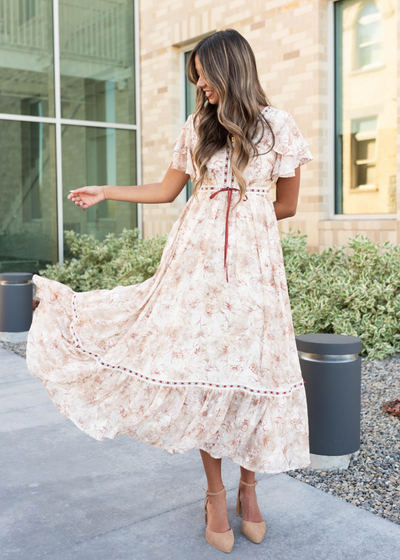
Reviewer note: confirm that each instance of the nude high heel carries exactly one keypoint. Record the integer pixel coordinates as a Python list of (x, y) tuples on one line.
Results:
[(221, 541), (255, 532)]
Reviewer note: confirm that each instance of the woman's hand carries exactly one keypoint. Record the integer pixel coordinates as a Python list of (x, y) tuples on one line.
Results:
[(86, 196)]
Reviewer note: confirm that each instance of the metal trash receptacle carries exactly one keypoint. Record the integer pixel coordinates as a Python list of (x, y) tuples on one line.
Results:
[(331, 368), (16, 294)]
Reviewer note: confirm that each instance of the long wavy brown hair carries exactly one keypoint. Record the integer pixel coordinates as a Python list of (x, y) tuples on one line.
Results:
[(229, 67)]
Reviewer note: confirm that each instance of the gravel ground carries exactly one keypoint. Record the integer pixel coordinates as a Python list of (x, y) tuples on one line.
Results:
[(372, 480), (16, 347)]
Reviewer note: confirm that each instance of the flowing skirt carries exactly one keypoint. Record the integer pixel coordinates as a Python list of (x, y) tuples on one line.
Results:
[(185, 359)]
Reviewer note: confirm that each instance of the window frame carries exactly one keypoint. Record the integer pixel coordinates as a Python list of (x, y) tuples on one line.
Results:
[(332, 160), (183, 109)]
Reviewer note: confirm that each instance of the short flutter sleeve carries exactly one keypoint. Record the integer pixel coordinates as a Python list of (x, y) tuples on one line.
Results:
[(182, 158), (291, 149)]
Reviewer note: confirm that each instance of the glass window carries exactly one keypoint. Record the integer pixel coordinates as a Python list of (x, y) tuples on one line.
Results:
[(28, 210), (369, 36), (365, 112), (363, 156), (190, 91), (26, 57), (190, 104), (97, 60), (97, 80), (98, 156)]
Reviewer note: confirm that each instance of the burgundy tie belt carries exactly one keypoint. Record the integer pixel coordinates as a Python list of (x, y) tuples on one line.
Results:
[(229, 190)]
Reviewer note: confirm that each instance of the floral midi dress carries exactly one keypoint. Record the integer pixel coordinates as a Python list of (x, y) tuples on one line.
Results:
[(203, 354)]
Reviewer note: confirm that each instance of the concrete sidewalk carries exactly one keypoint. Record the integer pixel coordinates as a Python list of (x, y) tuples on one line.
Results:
[(66, 496)]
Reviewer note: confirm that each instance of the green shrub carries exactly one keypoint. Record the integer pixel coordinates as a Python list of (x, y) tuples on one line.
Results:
[(352, 290), (116, 261)]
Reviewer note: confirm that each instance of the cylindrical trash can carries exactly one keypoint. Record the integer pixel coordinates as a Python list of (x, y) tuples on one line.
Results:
[(331, 368), (15, 305)]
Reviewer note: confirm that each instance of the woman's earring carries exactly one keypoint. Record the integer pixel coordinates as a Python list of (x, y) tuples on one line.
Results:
[(205, 103)]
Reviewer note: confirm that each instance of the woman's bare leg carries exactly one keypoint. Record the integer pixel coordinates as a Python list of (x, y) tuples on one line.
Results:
[(217, 513), (248, 497)]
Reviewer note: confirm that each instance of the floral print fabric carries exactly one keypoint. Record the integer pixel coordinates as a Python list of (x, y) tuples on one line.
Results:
[(186, 359)]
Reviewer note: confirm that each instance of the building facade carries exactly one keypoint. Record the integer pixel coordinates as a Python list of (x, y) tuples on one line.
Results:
[(332, 64), (95, 92)]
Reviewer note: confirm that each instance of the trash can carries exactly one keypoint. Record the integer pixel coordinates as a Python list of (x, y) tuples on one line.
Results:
[(16, 296), (331, 368)]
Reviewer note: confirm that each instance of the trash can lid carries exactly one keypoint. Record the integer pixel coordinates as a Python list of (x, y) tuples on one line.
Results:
[(16, 276), (327, 343)]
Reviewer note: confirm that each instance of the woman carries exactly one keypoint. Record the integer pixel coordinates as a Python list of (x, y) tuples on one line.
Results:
[(203, 354)]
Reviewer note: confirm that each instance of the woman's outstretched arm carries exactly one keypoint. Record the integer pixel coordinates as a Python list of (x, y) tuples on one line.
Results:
[(153, 193)]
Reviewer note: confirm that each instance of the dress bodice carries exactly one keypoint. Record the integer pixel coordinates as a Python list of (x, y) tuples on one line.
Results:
[(289, 151), (258, 172)]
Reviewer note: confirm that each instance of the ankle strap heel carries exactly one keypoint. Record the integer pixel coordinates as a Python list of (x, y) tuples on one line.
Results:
[(238, 502), (248, 483), (206, 500), (221, 541), (255, 532), (213, 493)]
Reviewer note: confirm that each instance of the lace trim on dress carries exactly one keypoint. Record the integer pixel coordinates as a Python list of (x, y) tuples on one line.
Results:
[(171, 383)]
